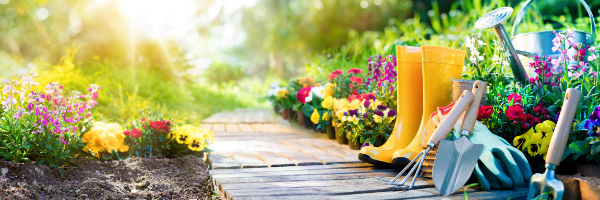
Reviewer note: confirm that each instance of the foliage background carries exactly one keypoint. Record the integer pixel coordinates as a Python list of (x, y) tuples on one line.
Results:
[(281, 39)]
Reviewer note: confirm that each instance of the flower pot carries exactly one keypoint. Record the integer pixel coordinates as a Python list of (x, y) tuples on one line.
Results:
[(284, 114), (291, 114), (589, 170), (299, 118), (314, 126), (355, 145), (460, 85), (307, 123), (331, 133), (341, 137), (276, 109)]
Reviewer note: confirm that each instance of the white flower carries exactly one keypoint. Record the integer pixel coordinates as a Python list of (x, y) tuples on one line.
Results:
[(592, 57), (317, 91), (482, 43)]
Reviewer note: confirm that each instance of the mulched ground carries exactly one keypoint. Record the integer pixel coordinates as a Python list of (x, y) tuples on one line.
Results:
[(133, 178)]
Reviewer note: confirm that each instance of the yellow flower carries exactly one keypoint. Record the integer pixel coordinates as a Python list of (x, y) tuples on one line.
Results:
[(546, 126), (533, 149), (328, 91), (544, 146), (208, 135), (536, 137), (196, 142), (521, 141), (340, 104), (182, 134), (354, 104), (377, 118), (282, 94), (326, 116), (340, 113), (385, 112), (105, 137), (362, 109), (529, 132), (328, 103), (315, 117), (374, 104)]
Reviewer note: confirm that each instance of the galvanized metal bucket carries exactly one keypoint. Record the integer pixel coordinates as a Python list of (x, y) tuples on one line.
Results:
[(540, 43)]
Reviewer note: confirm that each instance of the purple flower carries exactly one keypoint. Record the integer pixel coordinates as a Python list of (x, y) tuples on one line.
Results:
[(353, 113), (556, 118), (377, 112), (63, 140), (391, 113), (366, 144), (593, 127), (367, 103), (596, 114), (365, 116), (381, 107)]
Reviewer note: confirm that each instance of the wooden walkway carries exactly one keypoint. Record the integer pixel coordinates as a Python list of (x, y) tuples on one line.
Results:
[(265, 157)]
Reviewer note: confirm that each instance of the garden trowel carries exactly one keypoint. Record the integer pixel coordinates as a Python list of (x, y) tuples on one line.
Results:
[(546, 182), (456, 160)]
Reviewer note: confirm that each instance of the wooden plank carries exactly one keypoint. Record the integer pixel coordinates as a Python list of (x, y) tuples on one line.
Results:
[(329, 148), (232, 128), (246, 128), (297, 168), (259, 128), (309, 177), (267, 155), (343, 147), (245, 138), (273, 128), (255, 134), (239, 153), (276, 172), (219, 160), (218, 128), (293, 155), (318, 154), (206, 126)]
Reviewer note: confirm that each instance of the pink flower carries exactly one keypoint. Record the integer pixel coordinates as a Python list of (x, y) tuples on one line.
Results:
[(337, 72), (354, 71), (356, 80), (516, 98)]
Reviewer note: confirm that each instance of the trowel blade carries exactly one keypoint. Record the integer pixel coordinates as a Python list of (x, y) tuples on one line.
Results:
[(454, 164)]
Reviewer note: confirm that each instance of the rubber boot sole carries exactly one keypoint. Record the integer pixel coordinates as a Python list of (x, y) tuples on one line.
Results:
[(367, 158), (400, 162)]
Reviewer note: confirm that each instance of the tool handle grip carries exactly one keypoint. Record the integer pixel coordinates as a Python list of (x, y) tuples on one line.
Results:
[(448, 123), (563, 127), (471, 115)]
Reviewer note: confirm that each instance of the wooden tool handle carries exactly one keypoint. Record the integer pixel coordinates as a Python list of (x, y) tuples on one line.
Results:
[(448, 123), (479, 88), (563, 127)]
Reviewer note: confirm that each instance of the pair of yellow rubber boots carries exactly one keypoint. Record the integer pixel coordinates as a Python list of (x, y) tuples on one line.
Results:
[(425, 77)]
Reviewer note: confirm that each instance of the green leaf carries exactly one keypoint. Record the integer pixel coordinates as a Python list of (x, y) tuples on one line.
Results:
[(579, 147), (307, 110), (580, 127), (71, 164), (595, 148)]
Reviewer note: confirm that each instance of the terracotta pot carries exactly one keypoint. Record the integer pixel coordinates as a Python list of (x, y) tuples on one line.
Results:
[(284, 114), (299, 118), (341, 137), (355, 145), (589, 170), (331, 133), (291, 114)]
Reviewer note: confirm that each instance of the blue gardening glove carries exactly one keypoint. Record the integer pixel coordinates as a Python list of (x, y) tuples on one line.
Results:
[(500, 166)]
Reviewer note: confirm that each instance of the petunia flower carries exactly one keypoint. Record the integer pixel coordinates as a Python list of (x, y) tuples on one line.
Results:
[(593, 127)]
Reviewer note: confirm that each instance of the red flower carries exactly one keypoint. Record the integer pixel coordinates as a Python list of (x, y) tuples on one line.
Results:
[(514, 112), (332, 76), (157, 125), (357, 80), (484, 112), (516, 98), (361, 97), (337, 72), (538, 108), (354, 71), (302, 94), (136, 133), (351, 86)]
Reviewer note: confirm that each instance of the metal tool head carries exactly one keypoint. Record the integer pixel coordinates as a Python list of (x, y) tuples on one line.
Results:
[(494, 18), (547, 185), (415, 169), (454, 164)]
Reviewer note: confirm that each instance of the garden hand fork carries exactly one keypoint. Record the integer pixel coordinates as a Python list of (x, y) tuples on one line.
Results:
[(440, 132), (546, 182)]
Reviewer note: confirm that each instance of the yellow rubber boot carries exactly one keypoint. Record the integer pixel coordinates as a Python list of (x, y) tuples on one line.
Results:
[(440, 66), (409, 110)]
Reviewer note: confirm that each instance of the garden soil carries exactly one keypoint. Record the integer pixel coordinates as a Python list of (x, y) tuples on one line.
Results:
[(133, 178)]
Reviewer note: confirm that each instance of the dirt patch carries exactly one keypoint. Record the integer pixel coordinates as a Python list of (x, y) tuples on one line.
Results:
[(133, 178)]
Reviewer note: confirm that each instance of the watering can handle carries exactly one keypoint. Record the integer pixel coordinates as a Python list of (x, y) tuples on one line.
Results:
[(529, 2)]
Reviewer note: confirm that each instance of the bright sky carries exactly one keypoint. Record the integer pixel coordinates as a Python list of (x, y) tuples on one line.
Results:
[(179, 20)]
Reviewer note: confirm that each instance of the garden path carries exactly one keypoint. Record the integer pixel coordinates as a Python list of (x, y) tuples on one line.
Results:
[(259, 156)]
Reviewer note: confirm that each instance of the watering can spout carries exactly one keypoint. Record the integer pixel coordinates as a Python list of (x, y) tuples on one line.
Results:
[(495, 20)]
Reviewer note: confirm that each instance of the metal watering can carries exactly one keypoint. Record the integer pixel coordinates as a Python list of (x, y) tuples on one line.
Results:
[(527, 45)]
